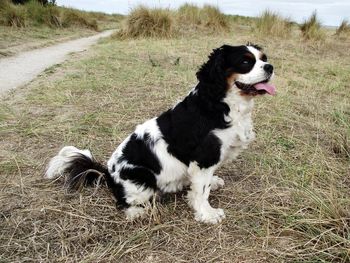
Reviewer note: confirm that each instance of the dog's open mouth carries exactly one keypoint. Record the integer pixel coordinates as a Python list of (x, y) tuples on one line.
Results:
[(262, 87)]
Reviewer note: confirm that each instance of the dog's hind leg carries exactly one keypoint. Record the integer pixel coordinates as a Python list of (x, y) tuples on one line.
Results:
[(198, 195)]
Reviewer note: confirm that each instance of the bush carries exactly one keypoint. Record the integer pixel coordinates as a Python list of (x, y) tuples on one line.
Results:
[(344, 28), (272, 24), (71, 17), (311, 28), (147, 22), (12, 15)]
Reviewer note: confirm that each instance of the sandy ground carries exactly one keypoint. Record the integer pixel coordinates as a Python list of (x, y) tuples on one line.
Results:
[(20, 69)]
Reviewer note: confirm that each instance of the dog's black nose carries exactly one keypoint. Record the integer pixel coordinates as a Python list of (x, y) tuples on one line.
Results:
[(268, 68)]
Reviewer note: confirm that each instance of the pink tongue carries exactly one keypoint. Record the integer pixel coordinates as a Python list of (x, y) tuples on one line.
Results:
[(265, 86)]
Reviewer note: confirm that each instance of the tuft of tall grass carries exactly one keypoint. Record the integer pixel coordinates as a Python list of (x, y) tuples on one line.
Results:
[(311, 28), (72, 17), (189, 14), (209, 18), (43, 15), (148, 22), (344, 28), (12, 15), (213, 18), (272, 24)]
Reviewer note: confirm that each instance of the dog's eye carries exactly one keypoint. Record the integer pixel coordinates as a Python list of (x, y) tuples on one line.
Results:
[(264, 58), (245, 62)]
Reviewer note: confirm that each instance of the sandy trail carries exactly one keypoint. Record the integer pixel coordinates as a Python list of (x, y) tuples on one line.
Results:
[(20, 69)]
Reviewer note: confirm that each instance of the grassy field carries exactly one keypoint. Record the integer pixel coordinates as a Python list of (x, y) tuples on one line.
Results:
[(286, 198)]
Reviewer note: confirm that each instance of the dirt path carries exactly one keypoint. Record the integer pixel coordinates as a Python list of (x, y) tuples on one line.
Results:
[(20, 69)]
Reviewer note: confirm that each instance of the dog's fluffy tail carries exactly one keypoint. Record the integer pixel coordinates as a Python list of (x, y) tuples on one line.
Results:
[(78, 166)]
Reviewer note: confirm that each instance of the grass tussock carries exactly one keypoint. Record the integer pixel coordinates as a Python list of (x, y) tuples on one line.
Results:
[(39, 14), (73, 17), (12, 15), (311, 28), (163, 23), (343, 29), (34, 13), (209, 18), (272, 24), (148, 22)]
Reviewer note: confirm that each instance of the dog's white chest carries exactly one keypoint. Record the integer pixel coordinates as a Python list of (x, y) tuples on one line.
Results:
[(240, 133)]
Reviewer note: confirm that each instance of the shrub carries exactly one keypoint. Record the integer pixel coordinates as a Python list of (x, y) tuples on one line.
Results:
[(147, 22), (344, 28), (272, 24), (71, 17), (311, 28), (12, 15)]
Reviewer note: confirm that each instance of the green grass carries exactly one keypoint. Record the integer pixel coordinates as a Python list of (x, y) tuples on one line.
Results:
[(287, 197)]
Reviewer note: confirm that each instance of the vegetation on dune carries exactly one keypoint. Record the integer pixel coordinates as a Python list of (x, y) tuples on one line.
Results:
[(344, 28), (272, 24), (38, 13), (12, 15), (147, 22), (311, 28), (163, 23), (73, 17), (207, 18)]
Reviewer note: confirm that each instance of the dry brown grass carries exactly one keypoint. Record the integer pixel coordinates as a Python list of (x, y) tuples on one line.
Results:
[(272, 24), (287, 198), (163, 23), (206, 19), (343, 29), (147, 22), (311, 29)]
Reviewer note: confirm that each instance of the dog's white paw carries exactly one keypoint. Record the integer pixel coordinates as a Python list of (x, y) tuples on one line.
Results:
[(210, 215), (216, 183), (134, 212)]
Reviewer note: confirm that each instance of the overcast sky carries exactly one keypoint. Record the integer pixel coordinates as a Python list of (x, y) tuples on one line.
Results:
[(330, 12)]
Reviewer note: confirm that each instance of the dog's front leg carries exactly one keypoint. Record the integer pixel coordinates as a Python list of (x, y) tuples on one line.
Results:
[(198, 195)]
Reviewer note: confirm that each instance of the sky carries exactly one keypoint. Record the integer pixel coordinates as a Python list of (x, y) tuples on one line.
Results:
[(330, 12)]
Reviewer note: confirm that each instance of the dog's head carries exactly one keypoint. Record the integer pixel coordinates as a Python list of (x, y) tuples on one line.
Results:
[(238, 67)]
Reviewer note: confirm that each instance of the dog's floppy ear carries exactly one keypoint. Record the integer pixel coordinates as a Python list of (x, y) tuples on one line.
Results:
[(213, 70)]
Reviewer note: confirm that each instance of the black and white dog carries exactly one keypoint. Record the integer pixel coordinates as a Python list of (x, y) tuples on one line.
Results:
[(184, 145)]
